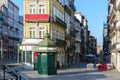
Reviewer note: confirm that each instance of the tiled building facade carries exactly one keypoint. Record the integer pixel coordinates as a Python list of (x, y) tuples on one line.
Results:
[(11, 29)]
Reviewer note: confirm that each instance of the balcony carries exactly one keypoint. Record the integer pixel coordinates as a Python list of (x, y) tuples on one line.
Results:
[(118, 24), (72, 33), (67, 36), (117, 4), (59, 21), (71, 4), (36, 17), (5, 22), (112, 1), (112, 47), (77, 29), (112, 16), (77, 39), (67, 9), (60, 42), (1, 18)]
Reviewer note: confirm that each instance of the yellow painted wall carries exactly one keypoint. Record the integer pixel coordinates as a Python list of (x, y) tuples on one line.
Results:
[(26, 7), (48, 6), (25, 24), (55, 3)]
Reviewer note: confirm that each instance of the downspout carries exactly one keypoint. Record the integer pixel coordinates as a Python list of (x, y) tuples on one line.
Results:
[(50, 12)]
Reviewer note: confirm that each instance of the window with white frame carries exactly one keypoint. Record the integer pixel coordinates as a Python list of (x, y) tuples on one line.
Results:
[(32, 9), (42, 8), (41, 32), (32, 32), (57, 12)]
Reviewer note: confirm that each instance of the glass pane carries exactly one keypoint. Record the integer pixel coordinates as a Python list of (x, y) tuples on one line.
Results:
[(29, 56), (23, 60)]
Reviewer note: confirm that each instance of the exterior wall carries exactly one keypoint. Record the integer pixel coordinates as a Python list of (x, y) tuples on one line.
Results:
[(113, 21), (10, 29), (52, 24), (78, 39)]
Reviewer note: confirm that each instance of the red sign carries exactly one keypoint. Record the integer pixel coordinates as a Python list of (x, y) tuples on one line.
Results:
[(35, 54), (37, 17)]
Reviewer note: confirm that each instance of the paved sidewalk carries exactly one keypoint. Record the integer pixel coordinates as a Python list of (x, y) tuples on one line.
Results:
[(75, 72)]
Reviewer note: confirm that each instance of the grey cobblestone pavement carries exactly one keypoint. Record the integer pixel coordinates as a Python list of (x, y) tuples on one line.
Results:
[(75, 72)]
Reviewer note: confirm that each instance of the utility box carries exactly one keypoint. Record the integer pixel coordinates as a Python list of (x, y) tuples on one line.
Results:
[(47, 57)]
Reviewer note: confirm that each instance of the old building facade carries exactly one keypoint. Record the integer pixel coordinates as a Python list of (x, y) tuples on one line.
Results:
[(113, 21), (11, 29)]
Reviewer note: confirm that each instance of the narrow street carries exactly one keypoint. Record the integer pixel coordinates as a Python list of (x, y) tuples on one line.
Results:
[(75, 72)]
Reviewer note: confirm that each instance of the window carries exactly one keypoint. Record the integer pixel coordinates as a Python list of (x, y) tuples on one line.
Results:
[(63, 36), (42, 9), (23, 57), (29, 56), (54, 10), (32, 9), (57, 12), (41, 32), (32, 32)]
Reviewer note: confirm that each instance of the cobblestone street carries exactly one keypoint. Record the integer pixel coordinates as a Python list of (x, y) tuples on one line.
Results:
[(75, 72)]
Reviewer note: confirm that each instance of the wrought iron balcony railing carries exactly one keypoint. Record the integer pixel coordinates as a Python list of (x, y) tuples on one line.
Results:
[(60, 42), (67, 9), (59, 21), (71, 4)]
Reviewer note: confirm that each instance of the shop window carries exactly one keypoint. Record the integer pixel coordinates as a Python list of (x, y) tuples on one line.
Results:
[(23, 59), (29, 56)]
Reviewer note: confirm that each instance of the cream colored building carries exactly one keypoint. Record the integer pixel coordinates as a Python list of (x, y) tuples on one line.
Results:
[(114, 26)]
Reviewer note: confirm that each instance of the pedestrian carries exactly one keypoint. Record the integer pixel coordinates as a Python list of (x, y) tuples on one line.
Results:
[(58, 65)]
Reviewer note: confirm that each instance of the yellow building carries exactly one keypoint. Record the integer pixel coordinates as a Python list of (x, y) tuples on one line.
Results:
[(40, 16)]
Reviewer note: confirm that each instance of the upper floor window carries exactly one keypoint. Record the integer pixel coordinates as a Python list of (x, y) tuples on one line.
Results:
[(41, 32), (32, 32), (32, 9), (42, 9)]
